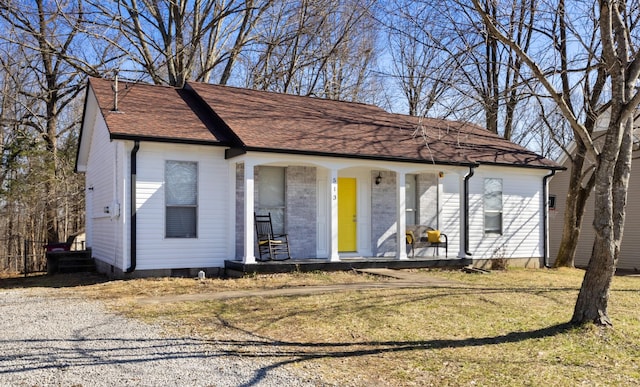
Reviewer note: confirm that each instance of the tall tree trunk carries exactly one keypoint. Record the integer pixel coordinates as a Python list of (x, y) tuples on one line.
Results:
[(610, 202), (577, 196), (618, 60), (51, 204), (614, 169)]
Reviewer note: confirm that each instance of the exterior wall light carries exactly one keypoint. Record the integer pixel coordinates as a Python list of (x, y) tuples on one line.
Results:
[(378, 179)]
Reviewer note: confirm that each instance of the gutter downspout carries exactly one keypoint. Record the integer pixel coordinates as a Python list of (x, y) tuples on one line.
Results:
[(466, 209), (132, 205), (545, 218)]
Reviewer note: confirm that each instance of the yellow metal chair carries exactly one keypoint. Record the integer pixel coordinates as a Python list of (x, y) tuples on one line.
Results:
[(425, 236)]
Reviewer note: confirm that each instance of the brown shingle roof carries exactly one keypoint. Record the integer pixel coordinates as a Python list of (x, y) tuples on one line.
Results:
[(152, 112), (292, 123), (274, 122)]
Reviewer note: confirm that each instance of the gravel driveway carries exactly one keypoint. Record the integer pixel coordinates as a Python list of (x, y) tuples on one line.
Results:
[(56, 341)]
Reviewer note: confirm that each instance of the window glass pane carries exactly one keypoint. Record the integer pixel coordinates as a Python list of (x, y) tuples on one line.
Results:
[(277, 218), (181, 183), (493, 206), (271, 187), (181, 222), (271, 195), (181, 197), (493, 194), (493, 222)]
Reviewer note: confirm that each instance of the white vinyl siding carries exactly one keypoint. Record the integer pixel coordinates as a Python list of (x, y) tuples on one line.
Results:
[(521, 214), (450, 218), (212, 246), (102, 177)]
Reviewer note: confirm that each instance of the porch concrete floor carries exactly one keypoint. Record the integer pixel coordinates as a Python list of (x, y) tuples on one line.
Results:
[(235, 268)]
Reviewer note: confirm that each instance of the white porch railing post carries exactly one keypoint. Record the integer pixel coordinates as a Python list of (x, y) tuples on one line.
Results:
[(401, 196), (249, 254), (333, 219)]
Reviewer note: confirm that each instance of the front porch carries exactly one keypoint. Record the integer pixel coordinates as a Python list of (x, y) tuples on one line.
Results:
[(341, 210), (240, 268)]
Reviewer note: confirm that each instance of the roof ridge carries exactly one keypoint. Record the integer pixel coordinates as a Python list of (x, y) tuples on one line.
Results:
[(280, 94), (132, 82)]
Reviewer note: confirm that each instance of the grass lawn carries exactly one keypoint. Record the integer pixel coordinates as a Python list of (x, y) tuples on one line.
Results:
[(503, 328)]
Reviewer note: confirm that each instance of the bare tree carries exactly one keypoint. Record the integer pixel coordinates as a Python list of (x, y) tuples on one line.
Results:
[(420, 66), (175, 41), (315, 47), (582, 178), (618, 64), (44, 34), (443, 50)]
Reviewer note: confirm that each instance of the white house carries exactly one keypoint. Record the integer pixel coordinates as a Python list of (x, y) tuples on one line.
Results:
[(174, 177)]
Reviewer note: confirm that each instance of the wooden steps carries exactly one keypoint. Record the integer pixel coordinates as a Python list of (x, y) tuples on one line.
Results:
[(70, 262)]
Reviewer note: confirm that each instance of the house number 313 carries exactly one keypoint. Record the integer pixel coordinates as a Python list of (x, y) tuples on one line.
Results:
[(335, 189)]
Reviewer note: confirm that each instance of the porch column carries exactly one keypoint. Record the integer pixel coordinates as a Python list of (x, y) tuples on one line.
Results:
[(333, 217), (401, 197), (249, 254)]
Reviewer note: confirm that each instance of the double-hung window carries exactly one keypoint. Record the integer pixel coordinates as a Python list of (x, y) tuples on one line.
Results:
[(493, 206), (181, 199)]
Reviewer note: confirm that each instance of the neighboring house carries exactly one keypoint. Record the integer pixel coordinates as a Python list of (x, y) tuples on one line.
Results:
[(340, 178), (558, 188)]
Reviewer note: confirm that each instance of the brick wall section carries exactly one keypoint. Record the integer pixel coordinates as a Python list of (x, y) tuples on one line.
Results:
[(383, 214), (239, 210), (301, 216), (383, 209)]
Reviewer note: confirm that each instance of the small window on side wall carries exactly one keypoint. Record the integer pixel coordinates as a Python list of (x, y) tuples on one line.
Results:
[(493, 206), (181, 199)]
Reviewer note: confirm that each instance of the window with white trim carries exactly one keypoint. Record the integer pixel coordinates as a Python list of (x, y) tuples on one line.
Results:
[(493, 206), (181, 199)]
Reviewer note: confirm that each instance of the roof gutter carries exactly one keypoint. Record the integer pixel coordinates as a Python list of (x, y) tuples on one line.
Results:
[(170, 140), (235, 152), (133, 236), (545, 217), (239, 151), (466, 208)]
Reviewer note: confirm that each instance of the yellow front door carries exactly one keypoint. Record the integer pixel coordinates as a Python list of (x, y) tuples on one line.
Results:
[(347, 215)]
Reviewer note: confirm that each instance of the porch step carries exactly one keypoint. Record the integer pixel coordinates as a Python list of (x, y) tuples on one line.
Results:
[(475, 270), (234, 269), (231, 273)]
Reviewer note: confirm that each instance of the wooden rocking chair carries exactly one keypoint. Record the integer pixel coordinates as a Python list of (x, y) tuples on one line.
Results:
[(274, 247)]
